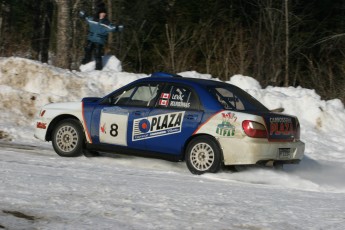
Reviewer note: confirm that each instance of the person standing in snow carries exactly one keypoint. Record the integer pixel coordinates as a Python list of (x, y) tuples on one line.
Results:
[(99, 28)]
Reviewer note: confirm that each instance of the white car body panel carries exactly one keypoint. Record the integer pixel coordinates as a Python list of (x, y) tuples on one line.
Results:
[(238, 148), (252, 150), (54, 110)]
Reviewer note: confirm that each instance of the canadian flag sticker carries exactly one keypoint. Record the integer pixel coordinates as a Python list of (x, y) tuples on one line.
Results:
[(165, 95), (163, 102)]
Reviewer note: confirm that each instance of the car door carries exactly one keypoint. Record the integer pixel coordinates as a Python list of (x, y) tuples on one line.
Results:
[(176, 116), (117, 115)]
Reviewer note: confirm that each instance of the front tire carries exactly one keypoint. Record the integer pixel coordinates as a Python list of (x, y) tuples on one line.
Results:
[(203, 155), (68, 138)]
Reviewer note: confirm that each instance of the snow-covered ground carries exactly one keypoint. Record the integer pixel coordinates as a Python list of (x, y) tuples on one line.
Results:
[(40, 190)]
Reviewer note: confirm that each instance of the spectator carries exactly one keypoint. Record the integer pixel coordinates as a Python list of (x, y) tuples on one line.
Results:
[(99, 28)]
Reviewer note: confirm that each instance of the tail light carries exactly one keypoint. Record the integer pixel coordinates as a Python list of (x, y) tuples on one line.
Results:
[(254, 129)]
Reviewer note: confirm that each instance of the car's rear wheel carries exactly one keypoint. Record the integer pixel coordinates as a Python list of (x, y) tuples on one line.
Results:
[(68, 138), (203, 155)]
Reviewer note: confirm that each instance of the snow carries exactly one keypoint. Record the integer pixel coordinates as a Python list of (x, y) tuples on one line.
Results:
[(40, 190)]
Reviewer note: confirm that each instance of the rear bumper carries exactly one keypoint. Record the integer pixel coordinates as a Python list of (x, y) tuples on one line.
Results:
[(252, 151)]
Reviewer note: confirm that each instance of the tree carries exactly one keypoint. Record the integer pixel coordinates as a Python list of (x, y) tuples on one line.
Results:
[(286, 80), (63, 55), (277, 42)]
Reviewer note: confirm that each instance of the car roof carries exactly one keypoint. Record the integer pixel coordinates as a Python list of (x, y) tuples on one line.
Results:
[(190, 81)]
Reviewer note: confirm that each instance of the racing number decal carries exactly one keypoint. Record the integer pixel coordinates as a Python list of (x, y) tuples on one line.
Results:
[(113, 128)]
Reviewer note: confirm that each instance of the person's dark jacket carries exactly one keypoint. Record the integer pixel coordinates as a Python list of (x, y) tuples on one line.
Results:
[(99, 30)]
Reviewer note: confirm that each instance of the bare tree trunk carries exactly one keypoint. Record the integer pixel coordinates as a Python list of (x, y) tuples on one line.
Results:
[(75, 36), (207, 44), (63, 55), (273, 35), (178, 47), (286, 82), (110, 17), (45, 32), (1, 21), (170, 35), (139, 40)]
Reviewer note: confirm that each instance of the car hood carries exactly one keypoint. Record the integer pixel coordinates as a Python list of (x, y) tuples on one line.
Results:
[(64, 106)]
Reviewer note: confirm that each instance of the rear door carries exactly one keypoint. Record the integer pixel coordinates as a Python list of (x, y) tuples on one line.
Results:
[(176, 116)]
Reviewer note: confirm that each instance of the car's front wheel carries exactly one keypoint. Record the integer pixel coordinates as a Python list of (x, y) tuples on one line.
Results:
[(68, 138), (203, 155)]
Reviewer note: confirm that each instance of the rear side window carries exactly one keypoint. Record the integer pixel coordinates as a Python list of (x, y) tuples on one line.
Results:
[(178, 97), (228, 99), (236, 99)]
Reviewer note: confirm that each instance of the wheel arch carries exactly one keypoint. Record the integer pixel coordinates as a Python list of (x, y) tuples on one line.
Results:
[(55, 121), (201, 135)]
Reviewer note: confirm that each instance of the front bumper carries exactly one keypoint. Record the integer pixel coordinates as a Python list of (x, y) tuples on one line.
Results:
[(41, 128), (250, 151)]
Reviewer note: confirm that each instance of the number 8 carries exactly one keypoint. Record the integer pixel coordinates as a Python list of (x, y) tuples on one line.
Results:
[(113, 130)]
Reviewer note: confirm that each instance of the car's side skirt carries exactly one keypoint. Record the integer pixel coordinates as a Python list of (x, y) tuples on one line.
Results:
[(134, 152)]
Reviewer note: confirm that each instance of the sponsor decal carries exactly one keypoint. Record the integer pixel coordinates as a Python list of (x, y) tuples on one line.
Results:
[(180, 104), (226, 128), (281, 126), (158, 125), (179, 99), (229, 116)]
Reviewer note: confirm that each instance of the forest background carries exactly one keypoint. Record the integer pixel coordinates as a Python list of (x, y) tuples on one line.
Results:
[(278, 42)]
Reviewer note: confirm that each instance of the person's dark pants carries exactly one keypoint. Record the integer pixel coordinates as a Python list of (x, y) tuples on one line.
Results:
[(90, 46)]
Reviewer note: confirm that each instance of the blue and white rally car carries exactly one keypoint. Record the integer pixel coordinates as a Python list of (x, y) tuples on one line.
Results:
[(204, 122)]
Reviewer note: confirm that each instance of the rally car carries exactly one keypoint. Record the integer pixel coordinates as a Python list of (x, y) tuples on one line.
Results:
[(207, 123)]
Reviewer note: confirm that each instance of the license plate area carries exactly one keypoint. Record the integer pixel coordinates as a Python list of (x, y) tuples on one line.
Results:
[(284, 153)]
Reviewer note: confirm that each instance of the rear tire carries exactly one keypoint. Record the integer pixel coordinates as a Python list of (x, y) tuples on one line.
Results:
[(203, 155), (68, 138)]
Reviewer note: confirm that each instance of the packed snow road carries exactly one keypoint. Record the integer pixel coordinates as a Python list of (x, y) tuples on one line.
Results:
[(40, 190)]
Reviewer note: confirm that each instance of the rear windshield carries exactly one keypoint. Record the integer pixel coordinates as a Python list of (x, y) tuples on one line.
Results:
[(234, 98)]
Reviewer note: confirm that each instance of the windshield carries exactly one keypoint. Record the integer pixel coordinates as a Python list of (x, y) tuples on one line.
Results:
[(234, 98)]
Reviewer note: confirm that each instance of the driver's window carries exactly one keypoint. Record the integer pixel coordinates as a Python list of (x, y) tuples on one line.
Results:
[(123, 97), (142, 95), (145, 93)]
